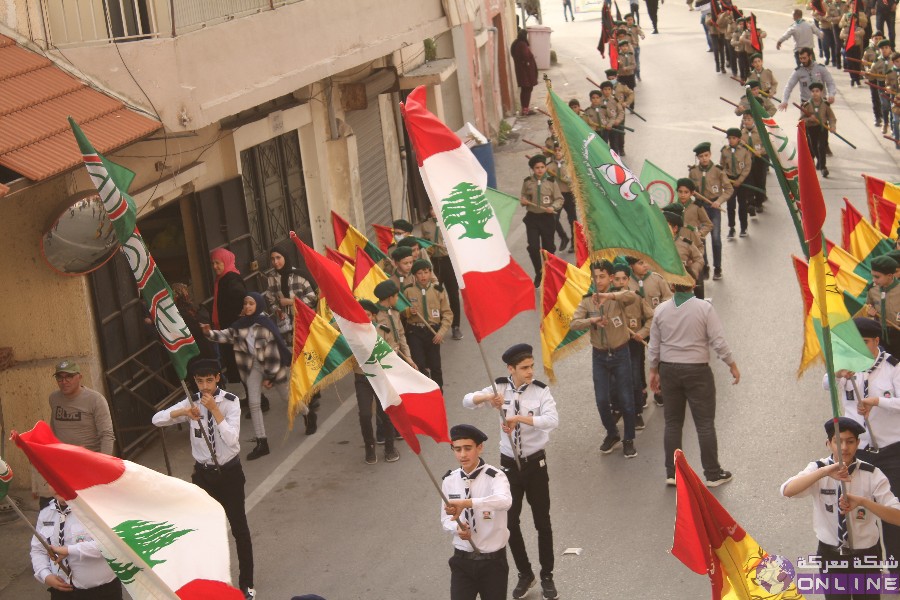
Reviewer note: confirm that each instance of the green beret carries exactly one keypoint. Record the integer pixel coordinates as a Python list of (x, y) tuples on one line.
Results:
[(877, 33), (702, 147), (403, 225), (755, 55), (816, 85), (401, 252), (419, 265), (623, 42), (674, 208), (409, 241), (611, 72), (895, 254), (606, 84), (733, 132), (687, 181), (752, 84), (673, 218), (537, 158), (884, 264), (620, 264), (884, 43), (386, 289), (369, 306)]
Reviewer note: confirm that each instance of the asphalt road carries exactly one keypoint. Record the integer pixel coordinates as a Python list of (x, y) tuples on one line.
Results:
[(324, 522)]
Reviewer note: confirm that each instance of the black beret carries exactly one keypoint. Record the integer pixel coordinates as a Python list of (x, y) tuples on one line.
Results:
[(702, 147), (516, 353), (386, 289), (884, 43), (816, 85), (369, 306), (673, 218), (403, 225), (205, 365), (606, 84), (611, 72), (877, 33), (401, 252), (676, 208), (687, 182), (884, 264), (844, 424), (537, 158), (419, 265), (467, 432), (409, 241), (895, 254), (733, 132), (868, 328)]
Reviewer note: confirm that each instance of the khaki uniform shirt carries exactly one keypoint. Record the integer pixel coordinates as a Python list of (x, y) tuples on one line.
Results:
[(557, 168), (751, 138), (697, 220), (747, 45), (891, 307), (623, 94), (592, 116), (638, 317), (432, 233), (545, 195), (767, 81), (432, 302), (736, 162), (387, 322), (819, 114), (636, 33), (615, 334), (612, 113), (652, 288), (711, 183), (767, 105), (627, 63), (691, 257)]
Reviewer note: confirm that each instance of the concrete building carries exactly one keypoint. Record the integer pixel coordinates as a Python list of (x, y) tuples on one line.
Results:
[(243, 120)]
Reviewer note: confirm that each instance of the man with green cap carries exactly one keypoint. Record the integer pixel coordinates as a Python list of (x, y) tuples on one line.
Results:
[(403, 260), (713, 184), (427, 320), (756, 90), (542, 199), (884, 302), (819, 119), (736, 161)]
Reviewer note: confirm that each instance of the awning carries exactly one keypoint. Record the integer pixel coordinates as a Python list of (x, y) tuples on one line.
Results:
[(35, 99)]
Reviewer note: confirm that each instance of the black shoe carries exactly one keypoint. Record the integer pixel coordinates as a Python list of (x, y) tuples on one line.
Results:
[(720, 478), (391, 454), (639, 422), (877, 122), (379, 438), (312, 423), (371, 457), (261, 449), (609, 443), (717, 274), (564, 242), (456, 333), (655, 31), (751, 211), (658, 399), (628, 449), (744, 233), (825, 172), (526, 582), (264, 403), (757, 210), (549, 588), (730, 233)]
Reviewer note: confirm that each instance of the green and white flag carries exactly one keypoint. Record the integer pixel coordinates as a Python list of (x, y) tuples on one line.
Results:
[(504, 206), (659, 185), (5, 478), (618, 215), (112, 181)]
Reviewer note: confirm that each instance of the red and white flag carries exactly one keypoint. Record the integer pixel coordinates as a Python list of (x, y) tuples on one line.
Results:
[(412, 401), (162, 537), (494, 287)]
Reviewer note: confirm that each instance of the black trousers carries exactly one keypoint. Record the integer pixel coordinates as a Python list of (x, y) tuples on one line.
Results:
[(759, 172), (472, 578), (569, 208), (828, 553), (652, 8), (876, 102), (533, 484), (425, 353), (740, 199), (690, 385), (718, 48), (854, 52), (743, 65), (888, 460), (540, 230), (107, 591), (836, 57), (628, 80), (365, 400), (227, 487), (443, 269), (731, 58), (817, 137)]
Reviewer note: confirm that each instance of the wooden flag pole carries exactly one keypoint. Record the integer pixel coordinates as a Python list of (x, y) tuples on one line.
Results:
[(437, 486), (203, 431), (859, 399), (44, 542), (512, 445)]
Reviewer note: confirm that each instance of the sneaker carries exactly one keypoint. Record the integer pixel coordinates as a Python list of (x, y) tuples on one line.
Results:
[(744, 233), (628, 449), (752, 210), (825, 172), (371, 457), (717, 274), (391, 455), (670, 481), (609, 443), (379, 438), (549, 588), (457, 334), (877, 122), (639, 422), (658, 399), (249, 593), (526, 582), (730, 232), (718, 479)]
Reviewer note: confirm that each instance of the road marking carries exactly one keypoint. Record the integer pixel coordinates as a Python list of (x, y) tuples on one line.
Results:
[(305, 447)]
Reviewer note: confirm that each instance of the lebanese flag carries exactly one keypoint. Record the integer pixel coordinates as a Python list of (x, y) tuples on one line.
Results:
[(163, 537), (412, 401), (494, 287)]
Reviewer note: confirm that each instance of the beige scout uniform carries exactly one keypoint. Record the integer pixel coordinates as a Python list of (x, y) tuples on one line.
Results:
[(543, 194), (818, 114), (638, 317), (432, 302), (691, 257), (592, 115), (432, 233), (736, 163), (557, 168), (612, 113), (743, 106), (615, 334), (696, 220), (712, 183), (624, 95), (627, 63), (891, 306), (652, 288), (767, 82), (751, 138)]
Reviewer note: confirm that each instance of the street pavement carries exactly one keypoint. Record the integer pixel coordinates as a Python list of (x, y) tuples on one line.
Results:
[(324, 522)]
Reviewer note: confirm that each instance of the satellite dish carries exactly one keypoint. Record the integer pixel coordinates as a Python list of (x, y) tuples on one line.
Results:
[(82, 238)]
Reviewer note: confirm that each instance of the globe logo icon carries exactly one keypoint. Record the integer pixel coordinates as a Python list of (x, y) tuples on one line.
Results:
[(775, 574)]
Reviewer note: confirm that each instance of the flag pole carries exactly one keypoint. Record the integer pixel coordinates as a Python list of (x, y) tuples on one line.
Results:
[(859, 399), (202, 430), (515, 450), (44, 542), (440, 492)]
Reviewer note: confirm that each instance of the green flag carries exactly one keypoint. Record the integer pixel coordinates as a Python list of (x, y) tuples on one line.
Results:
[(619, 216), (111, 181), (5, 477), (659, 185), (504, 207)]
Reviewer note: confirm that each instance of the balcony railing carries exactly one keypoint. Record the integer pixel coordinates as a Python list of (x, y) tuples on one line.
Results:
[(82, 22)]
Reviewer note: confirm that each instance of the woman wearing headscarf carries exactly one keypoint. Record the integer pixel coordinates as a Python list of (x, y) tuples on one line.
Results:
[(228, 301), (262, 358), (284, 284), (526, 69)]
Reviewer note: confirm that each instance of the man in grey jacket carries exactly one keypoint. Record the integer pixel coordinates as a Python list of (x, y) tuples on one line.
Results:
[(808, 72), (804, 34)]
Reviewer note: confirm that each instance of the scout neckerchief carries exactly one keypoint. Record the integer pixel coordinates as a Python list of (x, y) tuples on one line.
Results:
[(640, 283), (424, 290), (843, 533), (884, 291), (540, 201), (63, 513), (682, 297), (517, 433), (469, 513), (703, 172), (211, 428), (865, 390), (387, 309), (733, 161)]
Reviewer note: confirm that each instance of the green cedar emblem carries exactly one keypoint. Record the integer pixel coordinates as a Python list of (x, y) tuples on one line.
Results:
[(146, 539), (467, 206), (381, 349)]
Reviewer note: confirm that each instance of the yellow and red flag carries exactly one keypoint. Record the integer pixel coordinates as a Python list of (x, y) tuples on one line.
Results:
[(321, 357), (708, 540), (859, 237), (811, 351), (879, 187), (562, 288), (366, 276), (888, 213), (348, 238), (385, 237)]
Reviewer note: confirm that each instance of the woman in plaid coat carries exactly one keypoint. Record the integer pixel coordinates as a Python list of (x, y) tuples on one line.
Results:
[(262, 358)]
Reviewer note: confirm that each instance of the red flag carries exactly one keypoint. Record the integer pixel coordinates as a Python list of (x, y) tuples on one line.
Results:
[(754, 34), (614, 53), (385, 236), (851, 34), (715, 9), (818, 6), (812, 203), (888, 213), (582, 253), (337, 258)]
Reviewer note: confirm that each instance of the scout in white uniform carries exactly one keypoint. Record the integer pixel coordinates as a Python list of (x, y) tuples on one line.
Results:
[(531, 415), (478, 498)]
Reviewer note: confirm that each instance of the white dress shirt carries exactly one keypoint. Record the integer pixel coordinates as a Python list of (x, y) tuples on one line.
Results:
[(536, 402), (489, 489), (882, 382), (225, 435), (866, 481), (89, 568)]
